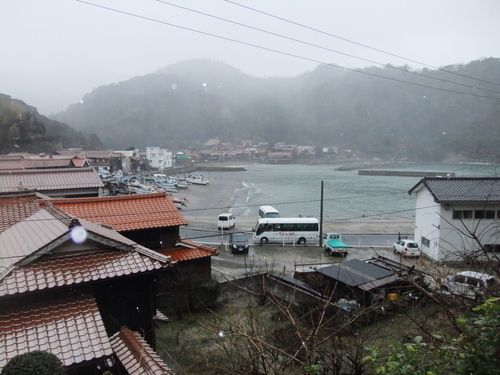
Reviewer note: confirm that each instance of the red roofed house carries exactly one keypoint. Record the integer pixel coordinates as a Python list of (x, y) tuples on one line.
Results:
[(78, 290), (152, 220)]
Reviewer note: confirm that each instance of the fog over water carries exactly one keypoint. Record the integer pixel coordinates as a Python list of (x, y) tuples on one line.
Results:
[(296, 189)]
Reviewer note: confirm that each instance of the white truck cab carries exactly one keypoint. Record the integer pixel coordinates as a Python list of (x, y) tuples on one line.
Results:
[(332, 236)]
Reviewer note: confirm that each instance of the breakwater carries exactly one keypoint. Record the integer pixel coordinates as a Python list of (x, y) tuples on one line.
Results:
[(200, 168), (370, 172)]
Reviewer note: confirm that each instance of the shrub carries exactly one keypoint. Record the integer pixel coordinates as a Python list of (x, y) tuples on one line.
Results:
[(36, 362)]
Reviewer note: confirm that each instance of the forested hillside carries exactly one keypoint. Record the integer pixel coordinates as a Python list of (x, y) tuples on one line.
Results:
[(23, 129), (389, 112)]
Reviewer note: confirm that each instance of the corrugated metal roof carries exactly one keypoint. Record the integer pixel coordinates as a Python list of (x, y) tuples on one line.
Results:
[(355, 272), (71, 329), (461, 189), (125, 212), (136, 355), (27, 237), (49, 179)]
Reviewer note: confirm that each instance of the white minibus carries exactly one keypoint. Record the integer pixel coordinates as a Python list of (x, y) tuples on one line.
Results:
[(286, 230), (268, 211)]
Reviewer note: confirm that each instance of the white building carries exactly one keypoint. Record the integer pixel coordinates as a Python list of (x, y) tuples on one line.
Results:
[(458, 218), (159, 158)]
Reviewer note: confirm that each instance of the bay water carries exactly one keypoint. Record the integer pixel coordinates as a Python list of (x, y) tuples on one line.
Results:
[(295, 189)]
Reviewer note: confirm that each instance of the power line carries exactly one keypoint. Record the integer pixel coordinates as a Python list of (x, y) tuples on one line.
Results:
[(325, 48), (359, 44), (149, 212), (282, 52)]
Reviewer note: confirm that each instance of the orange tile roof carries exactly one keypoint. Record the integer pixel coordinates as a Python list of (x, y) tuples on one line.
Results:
[(65, 271), (136, 355), (17, 206), (72, 329), (125, 212), (79, 162), (189, 250), (49, 179)]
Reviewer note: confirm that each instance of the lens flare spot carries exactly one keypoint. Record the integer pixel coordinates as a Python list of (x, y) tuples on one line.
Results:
[(78, 234)]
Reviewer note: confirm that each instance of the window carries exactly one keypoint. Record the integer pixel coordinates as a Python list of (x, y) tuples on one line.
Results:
[(492, 248), (465, 214), (426, 242), (484, 214), (475, 282), (459, 279), (489, 214)]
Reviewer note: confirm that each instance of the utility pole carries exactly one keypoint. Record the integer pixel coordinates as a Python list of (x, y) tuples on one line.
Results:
[(321, 218)]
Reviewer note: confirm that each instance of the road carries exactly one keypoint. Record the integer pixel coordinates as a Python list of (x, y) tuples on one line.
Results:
[(213, 238)]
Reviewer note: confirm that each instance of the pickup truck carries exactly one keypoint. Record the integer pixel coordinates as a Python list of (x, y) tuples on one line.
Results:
[(332, 242)]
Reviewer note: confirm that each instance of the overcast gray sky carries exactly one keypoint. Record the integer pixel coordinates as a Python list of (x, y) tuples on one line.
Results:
[(53, 52)]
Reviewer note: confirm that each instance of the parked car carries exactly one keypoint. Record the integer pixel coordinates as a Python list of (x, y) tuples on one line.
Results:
[(239, 243), (226, 221), (469, 284), (407, 248), (333, 244)]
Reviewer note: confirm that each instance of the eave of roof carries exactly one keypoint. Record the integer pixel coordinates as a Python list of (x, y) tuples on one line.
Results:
[(136, 355), (189, 250)]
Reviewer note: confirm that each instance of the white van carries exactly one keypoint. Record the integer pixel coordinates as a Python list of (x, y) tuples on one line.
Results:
[(268, 211), (226, 221)]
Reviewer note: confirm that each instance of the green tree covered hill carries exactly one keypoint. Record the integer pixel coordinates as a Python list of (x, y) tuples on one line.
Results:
[(23, 129)]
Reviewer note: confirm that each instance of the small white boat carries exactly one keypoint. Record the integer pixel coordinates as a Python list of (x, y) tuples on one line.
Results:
[(200, 182), (182, 184)]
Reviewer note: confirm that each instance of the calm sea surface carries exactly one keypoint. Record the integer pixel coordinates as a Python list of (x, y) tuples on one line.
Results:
[(296, 189)]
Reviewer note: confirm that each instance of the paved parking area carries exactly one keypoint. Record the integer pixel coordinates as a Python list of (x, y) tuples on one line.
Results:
[(285, 260)]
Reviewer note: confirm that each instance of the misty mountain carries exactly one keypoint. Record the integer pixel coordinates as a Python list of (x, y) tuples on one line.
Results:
[(23, 129), (390, 112)]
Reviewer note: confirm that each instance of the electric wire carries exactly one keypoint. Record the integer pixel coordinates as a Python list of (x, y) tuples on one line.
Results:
[(328, 49), (360, 44), (285, 53), (149, 212)]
